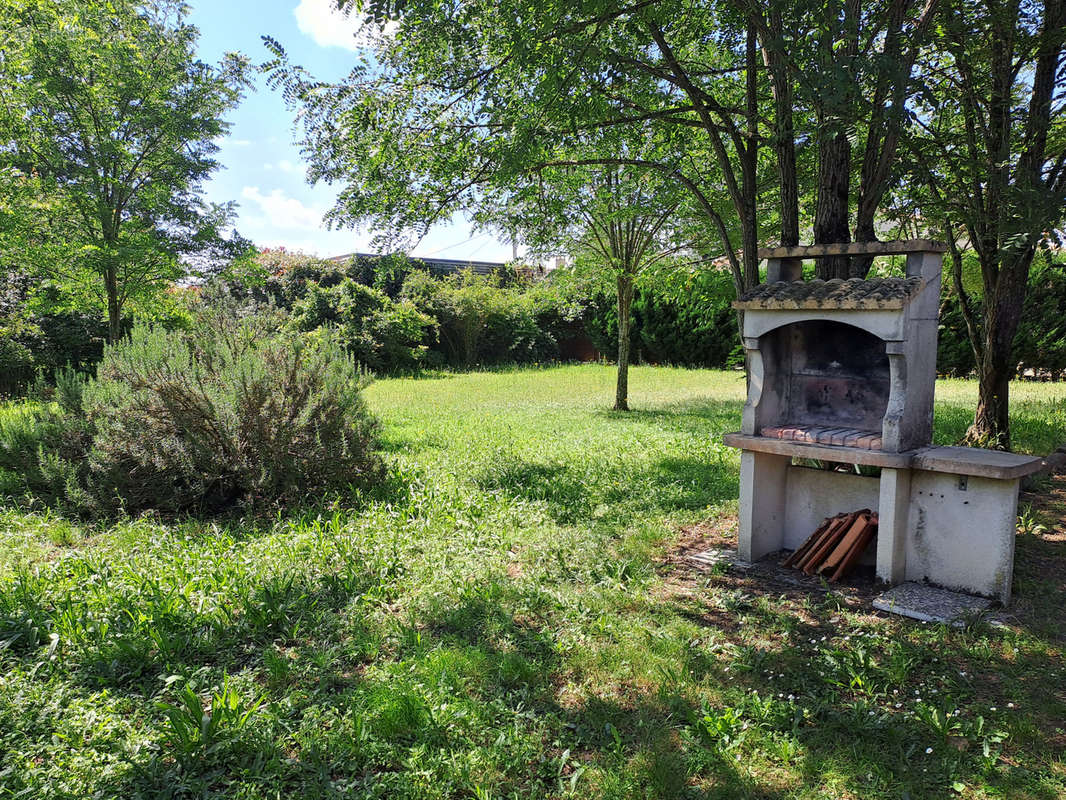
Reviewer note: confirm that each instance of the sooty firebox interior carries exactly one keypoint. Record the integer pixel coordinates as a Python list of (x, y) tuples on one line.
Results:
[(833, 375)]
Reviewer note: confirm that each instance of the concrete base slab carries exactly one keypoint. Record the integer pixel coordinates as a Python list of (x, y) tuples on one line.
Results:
[(719, 555), (929, 604)]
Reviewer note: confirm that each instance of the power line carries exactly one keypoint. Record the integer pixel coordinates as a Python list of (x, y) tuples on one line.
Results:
[(449, 247)]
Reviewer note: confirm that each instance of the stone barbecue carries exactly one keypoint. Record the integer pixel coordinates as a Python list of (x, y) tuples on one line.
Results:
[(843, 371)]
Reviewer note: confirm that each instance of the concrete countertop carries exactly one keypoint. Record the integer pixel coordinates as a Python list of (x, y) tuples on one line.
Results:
[(976, 462), (972, 461)]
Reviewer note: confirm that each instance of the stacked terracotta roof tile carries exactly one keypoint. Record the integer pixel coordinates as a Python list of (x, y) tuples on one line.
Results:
[(854, 293), (835, 548)]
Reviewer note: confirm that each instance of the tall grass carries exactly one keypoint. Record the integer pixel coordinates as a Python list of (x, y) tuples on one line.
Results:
[(498, 624)]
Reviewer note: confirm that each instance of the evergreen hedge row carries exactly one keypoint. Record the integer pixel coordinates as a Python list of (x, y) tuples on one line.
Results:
[(394, 316)]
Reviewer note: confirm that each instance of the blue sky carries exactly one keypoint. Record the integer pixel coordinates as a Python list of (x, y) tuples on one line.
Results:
[(263, 170)]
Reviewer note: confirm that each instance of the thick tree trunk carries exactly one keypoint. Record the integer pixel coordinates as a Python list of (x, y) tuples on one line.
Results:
[(831, 214), (625, 304), (784, 139), (996, 367), (835, 110), (991, 421), (114, 307)]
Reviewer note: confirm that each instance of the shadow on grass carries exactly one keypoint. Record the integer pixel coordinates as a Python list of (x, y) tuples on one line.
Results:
[(566, 496), (484, 672), (709, 417), (580, 493), (1039, 591), (849, 721), (613, 494)]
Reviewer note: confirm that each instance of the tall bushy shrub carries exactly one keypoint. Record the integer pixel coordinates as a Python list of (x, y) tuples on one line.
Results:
[(47, 445), (16, 367), (381, 334), (954, 354), (1040, 342), (483, 322), (232, 410)]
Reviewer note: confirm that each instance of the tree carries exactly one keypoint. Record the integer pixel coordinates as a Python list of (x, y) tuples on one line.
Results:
[(846, 70), (990, 149), (624, 227), (457, 105), (109, 107), (622, 219), (454, 102)]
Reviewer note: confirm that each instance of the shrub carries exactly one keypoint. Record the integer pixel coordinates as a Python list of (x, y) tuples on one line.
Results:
[(16, 367), (1039, 344), (954, 354), (677, 318), (483, 322), (379, 333), (233, 410), (46, 444)]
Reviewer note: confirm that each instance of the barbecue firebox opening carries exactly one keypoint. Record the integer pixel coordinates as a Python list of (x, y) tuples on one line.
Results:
[(832, 384)]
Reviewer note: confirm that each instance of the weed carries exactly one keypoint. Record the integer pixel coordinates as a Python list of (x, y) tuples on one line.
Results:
[(1030, 522), (199, 730)]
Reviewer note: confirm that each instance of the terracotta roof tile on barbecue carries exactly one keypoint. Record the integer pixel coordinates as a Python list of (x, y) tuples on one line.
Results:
[(854, 293)]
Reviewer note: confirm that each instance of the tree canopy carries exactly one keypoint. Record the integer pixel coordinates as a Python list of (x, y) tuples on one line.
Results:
[(108, 108)]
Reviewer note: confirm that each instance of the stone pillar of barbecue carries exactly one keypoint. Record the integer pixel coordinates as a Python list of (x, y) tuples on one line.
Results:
[(908, 422)]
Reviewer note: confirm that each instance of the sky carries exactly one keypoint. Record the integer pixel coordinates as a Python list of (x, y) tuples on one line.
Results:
[(263, 171)]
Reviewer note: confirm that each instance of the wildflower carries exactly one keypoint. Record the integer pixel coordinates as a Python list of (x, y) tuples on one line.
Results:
[(928, 750), (1010, 705)]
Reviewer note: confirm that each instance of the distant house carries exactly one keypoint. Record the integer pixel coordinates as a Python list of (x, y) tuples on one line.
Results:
[(441, 266)]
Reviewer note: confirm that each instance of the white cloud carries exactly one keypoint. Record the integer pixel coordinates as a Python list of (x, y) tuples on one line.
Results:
[(284, 165), (282, 211), (329, 27), (240, 142)]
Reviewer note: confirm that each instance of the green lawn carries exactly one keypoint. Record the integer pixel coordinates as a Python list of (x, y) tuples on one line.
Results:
[(501, 621)]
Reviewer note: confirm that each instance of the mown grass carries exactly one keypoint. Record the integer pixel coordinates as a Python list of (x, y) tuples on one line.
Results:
[(499, 622)]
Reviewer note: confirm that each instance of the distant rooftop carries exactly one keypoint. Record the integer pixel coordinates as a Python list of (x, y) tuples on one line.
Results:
[(444, 265)]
